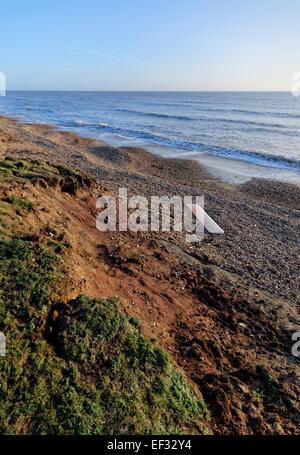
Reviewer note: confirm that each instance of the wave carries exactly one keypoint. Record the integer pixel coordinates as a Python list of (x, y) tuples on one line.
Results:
[(94, 124), (107, 125), (265, 113), (287, 132), (205, 119), (248, 122), (286, 115), (262, 159), (84, 122), (156, 114)]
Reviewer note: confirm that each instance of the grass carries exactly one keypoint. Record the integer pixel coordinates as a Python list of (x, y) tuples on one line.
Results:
[(20, 203), (94, 373), (18, 171), (136, 390)]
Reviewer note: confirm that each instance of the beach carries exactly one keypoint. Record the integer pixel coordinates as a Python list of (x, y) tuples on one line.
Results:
[(260, 217), (227, 303)]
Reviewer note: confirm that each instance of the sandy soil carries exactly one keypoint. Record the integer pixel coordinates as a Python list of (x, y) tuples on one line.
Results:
[(222, 308)]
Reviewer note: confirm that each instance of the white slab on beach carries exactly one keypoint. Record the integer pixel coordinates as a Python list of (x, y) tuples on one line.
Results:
[(209, 224)]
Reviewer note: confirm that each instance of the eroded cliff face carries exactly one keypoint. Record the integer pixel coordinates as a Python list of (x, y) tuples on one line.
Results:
[(230, 339)]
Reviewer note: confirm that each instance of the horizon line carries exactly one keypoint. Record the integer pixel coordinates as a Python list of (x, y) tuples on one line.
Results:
[(151, 91)]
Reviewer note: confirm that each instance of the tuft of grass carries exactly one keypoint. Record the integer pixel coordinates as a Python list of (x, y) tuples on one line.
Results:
[(29, 273), (20, 203), (136, 388), (12, 170), (67, 171), (58, 247), (18, 171)]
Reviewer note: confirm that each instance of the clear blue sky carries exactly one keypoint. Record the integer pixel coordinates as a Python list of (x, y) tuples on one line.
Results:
[(150, 44)]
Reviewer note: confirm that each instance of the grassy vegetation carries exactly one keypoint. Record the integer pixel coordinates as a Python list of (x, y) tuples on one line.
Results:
[(131, 385), (94, 373), (20, 203), (16, 171), (12, 170), (12, 209)]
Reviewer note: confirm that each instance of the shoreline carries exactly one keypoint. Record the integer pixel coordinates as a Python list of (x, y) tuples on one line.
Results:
[(227, 170), (206, 171)]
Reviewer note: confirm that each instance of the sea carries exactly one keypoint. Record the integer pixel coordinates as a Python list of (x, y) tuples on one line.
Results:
[(241, 134)]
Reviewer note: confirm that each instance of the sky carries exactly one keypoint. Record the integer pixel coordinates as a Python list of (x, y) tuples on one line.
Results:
[(205, 45)]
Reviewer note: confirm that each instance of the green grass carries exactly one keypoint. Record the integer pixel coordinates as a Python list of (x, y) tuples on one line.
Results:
[(67, 171), (29, 273), (134, 385), (18, 171), (20, 203)]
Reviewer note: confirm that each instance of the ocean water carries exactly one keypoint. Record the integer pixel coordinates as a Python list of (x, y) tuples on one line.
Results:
[(258, 128)]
